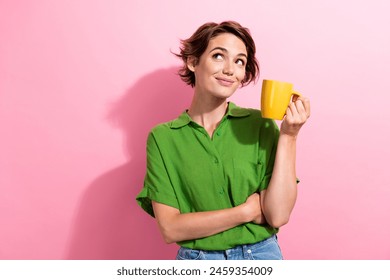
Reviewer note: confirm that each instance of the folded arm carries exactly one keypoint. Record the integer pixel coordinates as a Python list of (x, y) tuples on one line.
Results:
[(176, 227)]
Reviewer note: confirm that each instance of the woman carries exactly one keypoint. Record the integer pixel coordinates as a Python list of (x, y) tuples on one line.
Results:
[(221, 179)]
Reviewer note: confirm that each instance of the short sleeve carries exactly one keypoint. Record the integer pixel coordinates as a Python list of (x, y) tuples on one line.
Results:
[(157, 185)]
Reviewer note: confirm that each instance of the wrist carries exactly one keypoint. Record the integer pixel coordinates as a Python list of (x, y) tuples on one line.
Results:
[(287, 136), (245, 213)]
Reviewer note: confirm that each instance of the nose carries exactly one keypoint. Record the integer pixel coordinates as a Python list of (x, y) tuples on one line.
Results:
[(228, 68)]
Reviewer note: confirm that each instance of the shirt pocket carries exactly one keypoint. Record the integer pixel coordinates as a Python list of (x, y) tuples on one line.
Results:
[(247, 177)]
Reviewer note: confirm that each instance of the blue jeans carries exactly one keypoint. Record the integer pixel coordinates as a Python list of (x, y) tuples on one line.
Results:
[(267, 249)]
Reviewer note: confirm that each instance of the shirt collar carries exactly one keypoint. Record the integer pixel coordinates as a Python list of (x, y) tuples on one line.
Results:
[(233, 111)]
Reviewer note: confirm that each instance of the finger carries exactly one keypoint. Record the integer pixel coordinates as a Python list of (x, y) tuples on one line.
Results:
[(306, 104), (293, 108), (301, 108), (289, 114)]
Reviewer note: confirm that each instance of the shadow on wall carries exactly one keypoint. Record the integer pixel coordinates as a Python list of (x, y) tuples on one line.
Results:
[(109, 223)]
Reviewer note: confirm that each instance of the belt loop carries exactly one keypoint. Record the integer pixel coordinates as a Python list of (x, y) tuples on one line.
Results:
[(226, 254), (245, 252)]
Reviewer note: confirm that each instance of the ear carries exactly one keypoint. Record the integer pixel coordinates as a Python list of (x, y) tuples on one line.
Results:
[(191, 63)]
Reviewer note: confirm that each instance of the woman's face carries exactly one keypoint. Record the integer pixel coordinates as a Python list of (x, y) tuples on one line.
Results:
[(221, 68)]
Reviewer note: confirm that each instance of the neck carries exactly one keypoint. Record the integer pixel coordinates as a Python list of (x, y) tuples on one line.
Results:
[(208, 112)]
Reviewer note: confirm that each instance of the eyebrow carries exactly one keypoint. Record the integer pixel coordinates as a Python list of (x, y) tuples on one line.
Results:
[(225, 50)]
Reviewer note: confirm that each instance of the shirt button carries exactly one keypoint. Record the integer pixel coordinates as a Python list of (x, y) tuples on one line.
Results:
[(216, 160), (249, 251)]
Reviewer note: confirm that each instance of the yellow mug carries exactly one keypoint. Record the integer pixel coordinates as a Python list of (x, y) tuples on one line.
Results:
[(275, 97)]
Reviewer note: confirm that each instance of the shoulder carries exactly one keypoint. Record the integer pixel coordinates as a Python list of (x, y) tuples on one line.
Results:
[(159, 132), (250, 115), (158, 135), (167, 128), (161, 128)]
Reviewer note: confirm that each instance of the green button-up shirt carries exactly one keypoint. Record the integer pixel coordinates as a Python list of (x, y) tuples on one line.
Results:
[(192, 172)]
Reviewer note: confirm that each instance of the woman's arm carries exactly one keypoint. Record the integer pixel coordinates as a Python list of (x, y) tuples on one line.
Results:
[(279, 198), (177, 227)]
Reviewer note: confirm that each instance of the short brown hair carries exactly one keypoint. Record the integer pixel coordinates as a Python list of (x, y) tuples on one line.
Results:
[(198, 42)]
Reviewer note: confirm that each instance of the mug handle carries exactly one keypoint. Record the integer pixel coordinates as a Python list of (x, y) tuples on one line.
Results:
[(295, 93)]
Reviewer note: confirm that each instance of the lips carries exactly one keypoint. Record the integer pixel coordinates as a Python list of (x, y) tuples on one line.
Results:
[(225, 82)]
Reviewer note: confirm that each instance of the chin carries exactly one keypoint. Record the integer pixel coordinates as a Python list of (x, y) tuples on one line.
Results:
[(226, 94)]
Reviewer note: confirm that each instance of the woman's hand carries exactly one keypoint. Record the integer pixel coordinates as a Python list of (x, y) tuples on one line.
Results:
[(297, 113), (253, 209)]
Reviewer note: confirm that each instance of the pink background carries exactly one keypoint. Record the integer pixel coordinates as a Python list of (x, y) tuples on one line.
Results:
[(82, 82)]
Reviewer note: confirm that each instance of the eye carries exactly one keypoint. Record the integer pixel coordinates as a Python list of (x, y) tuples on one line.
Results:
[(218, 56), (240, 62)]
